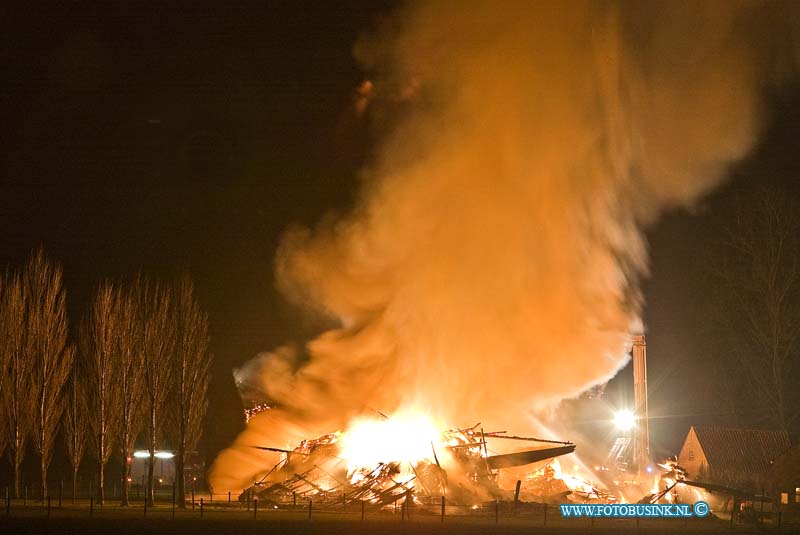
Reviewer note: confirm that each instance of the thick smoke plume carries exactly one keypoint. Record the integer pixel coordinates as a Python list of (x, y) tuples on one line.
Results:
[(491, 267)]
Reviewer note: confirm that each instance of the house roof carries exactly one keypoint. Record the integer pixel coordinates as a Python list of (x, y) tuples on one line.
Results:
[(741, 450), (786, 468)]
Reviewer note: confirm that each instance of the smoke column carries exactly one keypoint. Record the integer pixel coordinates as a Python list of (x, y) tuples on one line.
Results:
[(491, 267)]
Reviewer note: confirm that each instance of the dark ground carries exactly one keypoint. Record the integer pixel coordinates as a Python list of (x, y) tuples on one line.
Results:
[(244, 527), (75, 519)]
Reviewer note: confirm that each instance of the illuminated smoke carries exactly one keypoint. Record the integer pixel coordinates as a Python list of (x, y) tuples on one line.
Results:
[(491, 267)]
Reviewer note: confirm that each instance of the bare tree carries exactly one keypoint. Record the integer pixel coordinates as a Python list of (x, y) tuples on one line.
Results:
[(76, 421), (760, 283), (18, 395), (98, 342), (46, 322), (3, 365), (157, 338), (190, 364), (129, 365)]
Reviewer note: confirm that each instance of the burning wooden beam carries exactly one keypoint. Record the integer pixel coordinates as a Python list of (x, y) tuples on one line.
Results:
[(521, 458)]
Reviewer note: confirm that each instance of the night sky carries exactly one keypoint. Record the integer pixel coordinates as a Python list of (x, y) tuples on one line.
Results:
[(161, 139), (684, 335)]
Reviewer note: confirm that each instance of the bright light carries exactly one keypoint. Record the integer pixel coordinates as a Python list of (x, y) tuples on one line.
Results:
[(144, 454), (404, 437), (624, 420)]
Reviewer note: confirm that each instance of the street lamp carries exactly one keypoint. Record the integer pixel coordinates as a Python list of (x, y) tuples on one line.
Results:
[(624, 420)]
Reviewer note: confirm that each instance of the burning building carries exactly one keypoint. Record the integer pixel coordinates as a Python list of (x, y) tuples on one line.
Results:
[(384, 460)]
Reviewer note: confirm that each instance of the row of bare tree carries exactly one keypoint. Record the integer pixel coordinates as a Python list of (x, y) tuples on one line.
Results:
[(755, 310), (140, 368)]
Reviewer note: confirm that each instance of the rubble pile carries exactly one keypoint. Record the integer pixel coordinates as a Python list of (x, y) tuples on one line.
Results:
[(551, 484), (459, 466)]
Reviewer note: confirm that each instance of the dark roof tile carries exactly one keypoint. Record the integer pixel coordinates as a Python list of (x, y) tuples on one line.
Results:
[(741, 450)]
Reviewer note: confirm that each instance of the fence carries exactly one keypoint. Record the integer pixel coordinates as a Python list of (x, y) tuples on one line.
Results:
[(226, 505), (87, 488)]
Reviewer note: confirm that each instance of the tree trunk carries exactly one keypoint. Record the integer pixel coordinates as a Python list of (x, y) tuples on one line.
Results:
[(151, 461), (17, 466), (74, 484), (44, 479), (101, 483), (101, 442), (126, 474), (41, 437), (180, 478), (151, 464), (778, 371)]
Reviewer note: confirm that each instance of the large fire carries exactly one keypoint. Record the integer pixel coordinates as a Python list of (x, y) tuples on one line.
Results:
[(407, 436), (491, 263), (575, 483), (408, 455)]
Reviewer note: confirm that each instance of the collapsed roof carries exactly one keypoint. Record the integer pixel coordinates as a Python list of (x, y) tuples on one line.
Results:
[(316, 468)]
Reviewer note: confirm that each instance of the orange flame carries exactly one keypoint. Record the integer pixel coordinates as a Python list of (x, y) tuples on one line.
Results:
[(406, 436)]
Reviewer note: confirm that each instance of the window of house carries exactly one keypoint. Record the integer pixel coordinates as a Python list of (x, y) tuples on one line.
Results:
[(691, 455), (785, 498), (797, 495)]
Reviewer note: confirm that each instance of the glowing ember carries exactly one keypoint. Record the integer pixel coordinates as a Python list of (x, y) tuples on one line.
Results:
[(552, 481), (574, 483), (252, 411)]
